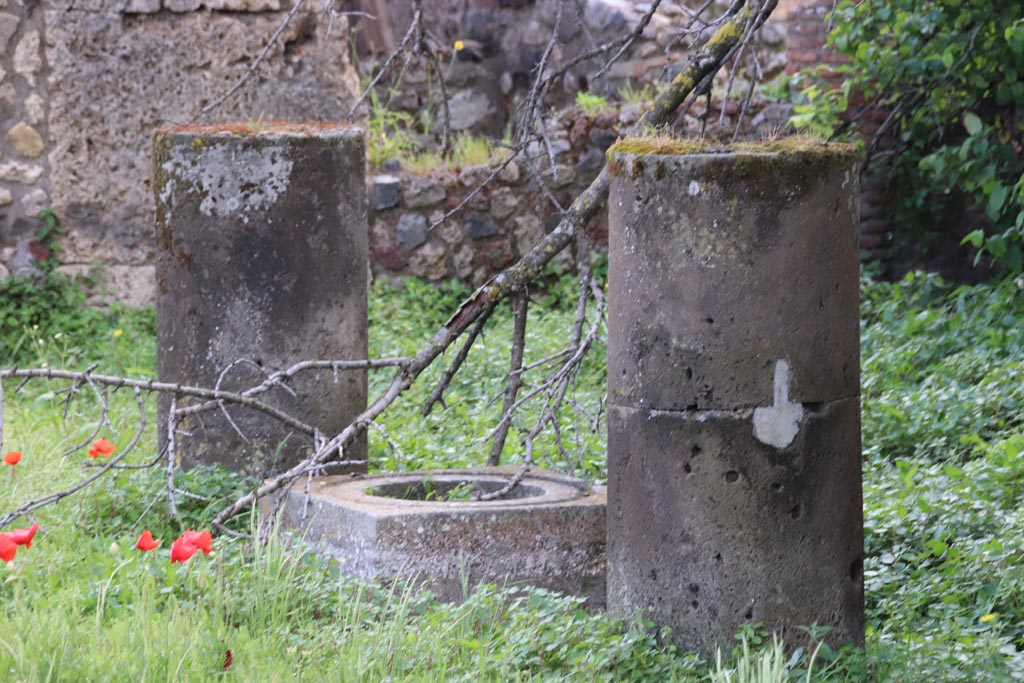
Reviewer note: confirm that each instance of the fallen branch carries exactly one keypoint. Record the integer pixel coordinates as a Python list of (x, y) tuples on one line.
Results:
[(514, 381), (513, 279)]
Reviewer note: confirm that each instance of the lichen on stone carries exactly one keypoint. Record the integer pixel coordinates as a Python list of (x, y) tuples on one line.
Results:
[(233, 179)]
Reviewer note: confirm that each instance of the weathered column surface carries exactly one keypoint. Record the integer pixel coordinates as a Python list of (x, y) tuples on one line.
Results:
[(261, 262), (734, 470)]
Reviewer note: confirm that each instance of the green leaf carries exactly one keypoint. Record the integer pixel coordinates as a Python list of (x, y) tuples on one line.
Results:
[(996, 200), (972, 123), (975, 237), (996, 245)]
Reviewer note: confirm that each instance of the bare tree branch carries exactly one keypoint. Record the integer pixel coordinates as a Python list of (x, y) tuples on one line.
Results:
[(172, 436), (437, 396), (704, 64), (520, 305)]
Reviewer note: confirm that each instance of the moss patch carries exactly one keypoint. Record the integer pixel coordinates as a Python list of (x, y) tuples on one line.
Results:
[(256, 128), (664, 145), (783, 170)]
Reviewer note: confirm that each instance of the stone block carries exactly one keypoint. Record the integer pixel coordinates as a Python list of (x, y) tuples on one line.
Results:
[(428, 262), (8, 27), (510, 175), (725, 265), (478, 226), (262, 255), (19, 172), (182, 5), (27, 58), (550, 532), (35, 109), (710, 529), (411, 230), (422, 193), (25, 140), (503, 204), (34, 201), (249, 6), (590, 161), (386, 191), (472, 176), (142, 7), (470, 109), (529, 230)]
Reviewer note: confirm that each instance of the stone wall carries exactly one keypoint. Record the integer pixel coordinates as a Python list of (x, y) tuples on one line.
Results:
[(83, 84), (505, 40), (498, 224)]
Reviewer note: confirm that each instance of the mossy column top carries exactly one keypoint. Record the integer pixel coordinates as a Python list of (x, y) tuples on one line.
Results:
[(261, 262), (733, 388)]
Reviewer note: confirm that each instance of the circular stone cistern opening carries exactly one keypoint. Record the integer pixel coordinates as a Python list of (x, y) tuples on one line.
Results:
[(463, 490), (454, 487)]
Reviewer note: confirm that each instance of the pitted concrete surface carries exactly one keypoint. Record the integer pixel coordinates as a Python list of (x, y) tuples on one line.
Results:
[(552, 535), (725, 264), (734, 473), (262, 258)]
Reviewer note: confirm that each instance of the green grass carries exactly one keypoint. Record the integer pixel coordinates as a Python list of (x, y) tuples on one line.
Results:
[(455, 437), (944, 482)]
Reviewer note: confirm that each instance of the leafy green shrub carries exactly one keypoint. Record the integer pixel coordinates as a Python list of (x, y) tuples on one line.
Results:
[(945, 594), (939, 365), (43, 317), (952, 75)]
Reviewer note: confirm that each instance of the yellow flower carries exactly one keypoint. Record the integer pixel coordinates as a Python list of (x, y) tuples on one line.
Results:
[(118, 332), (459, 46), (988, 618)]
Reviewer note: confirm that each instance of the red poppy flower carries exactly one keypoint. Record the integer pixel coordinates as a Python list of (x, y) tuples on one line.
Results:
[(24, 536), (182, 551), (7, 548), (228, 659), (101, 447), (200, 539), (146, 542), (12, 458)]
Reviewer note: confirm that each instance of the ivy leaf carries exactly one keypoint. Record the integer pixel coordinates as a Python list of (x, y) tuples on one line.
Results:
[(1014, 258), (996, 200), (972, 123), (975, 237), (996, 245)]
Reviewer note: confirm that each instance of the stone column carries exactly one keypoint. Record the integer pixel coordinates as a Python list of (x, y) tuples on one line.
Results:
[(261, 255), (734, 468)]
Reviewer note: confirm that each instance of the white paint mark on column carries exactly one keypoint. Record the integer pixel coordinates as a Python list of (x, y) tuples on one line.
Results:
[(778, 424)]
